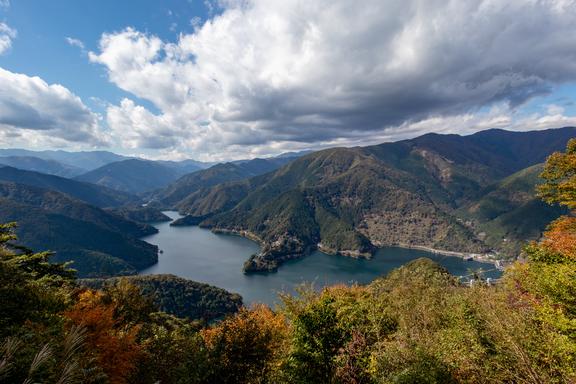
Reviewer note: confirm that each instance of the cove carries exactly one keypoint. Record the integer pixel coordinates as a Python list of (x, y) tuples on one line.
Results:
[(200, 255)]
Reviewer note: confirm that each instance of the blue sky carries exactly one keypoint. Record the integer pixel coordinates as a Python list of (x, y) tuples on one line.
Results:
[(41, 48), (227, 79)]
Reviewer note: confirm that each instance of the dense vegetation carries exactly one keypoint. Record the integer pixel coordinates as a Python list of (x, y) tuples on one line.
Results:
[(509, 212), (178, 296), (419, 192), (417, 325), (99, 243), (217, 174), (141, 214), (92, 194)]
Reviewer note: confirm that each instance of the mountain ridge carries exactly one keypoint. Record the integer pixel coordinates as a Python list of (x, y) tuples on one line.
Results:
[(404, 193)]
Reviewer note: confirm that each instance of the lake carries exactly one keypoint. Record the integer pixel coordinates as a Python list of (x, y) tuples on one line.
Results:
[(198, 254)]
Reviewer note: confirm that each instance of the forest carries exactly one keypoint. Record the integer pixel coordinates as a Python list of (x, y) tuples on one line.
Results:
[(416, 325)]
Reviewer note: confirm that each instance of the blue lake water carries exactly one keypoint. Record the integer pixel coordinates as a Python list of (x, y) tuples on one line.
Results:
[(198, 254)]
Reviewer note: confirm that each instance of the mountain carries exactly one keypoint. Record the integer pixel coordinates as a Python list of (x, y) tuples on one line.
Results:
[(509, 214), (99, 243), (176, 193), (86, 160), (51, 167), (89, 193), (293, 155), (140, 214), (186, 166), (349, 200), (133, 175), (180, 297)]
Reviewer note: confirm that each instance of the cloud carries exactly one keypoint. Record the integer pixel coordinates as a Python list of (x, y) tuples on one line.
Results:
[(7, 34), (32, 111), (75, 43), (4, 3), (263, 74)]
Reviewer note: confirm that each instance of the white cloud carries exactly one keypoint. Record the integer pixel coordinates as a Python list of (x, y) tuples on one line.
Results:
[(268, 74), (4, 3), (7, 34), (32, 112), (75, 43)]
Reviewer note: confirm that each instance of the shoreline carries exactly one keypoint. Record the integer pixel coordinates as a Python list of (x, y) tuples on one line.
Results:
[(479, 257)]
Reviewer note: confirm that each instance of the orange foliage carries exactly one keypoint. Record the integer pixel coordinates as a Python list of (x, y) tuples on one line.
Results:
[(113, 345), (260, 322), (249, 342), (561, 237)]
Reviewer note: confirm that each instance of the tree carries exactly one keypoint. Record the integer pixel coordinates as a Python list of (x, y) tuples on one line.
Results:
[(560, 177), (111, 342), (246, 347), (317, 337)]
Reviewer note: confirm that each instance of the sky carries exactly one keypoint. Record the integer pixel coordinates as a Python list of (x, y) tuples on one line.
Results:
[(231, 79)]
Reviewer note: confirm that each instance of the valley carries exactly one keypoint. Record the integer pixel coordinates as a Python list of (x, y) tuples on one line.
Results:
[(217, 259), (448, 194)]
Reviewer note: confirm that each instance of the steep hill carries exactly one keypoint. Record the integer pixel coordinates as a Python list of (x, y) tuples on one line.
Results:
[(348, 200), (30, 163), (133, 175), (174, 194), (140, 214), (89, 193), (508, 214), (99, 243), (180, 297)]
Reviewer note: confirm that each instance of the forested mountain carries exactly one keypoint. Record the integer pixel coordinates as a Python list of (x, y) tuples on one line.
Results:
[(51, 167), (99, 243), (178, 296), (140, 214), (418, 324), (133, 175), (187, 185), (508, 213), (348, 200), (89, 193)]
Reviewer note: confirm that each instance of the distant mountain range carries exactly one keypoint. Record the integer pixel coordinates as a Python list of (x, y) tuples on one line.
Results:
[(90, 193), (51, 167), (419, 192), (135, 175), (469, 194), (84, 161), (72, 164)]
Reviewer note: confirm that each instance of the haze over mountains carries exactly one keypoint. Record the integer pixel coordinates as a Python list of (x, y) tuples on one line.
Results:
[(471, 194)]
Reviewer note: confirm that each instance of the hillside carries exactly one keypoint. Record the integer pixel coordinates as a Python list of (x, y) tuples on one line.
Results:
[(99, 243), (140, 214), (508, 214), (36, 164), (417, 324), (180, 297), (348, 200), (89, 193), (175, 194), (133, 175)]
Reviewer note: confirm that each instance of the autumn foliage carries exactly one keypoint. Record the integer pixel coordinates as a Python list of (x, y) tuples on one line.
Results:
[(416, 325), (112, 343)]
